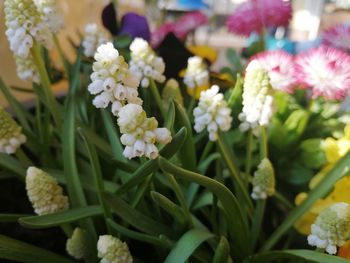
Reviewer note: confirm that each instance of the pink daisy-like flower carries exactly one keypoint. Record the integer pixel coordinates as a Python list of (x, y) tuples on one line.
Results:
[(326, 70), (338, 37), (159, 34), (280, 67), (254, 15)]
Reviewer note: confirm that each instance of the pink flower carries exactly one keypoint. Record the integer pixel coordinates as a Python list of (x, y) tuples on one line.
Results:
[(325, 70), (188, 23), (159, 34), (254, 15), (337, 36), (180, 28), (280, 67)]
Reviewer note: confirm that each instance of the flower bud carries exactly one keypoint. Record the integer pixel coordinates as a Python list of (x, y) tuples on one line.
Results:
[(113, 250), (264, 180), (76, 245)]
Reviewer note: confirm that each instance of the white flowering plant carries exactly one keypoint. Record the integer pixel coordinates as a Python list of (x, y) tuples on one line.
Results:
[(129, 166)]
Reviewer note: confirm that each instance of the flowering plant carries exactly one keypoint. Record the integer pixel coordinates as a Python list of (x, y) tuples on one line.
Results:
[(133, 167)]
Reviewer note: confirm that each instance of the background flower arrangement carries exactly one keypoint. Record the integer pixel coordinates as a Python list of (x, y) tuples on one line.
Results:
[(136, 167)]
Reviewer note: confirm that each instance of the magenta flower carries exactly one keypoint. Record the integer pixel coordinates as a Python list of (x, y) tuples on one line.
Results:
[(280, 67), (180, 28), (326, 70), (338, 37), (255, 15)]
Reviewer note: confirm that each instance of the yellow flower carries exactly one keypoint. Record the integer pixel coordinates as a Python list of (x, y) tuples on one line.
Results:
[(205, 52), (334, 150)]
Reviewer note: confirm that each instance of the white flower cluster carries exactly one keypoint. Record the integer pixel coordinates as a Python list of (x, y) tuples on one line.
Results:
[(11, 136), (140, 133), (50, 14), (145, 63), (257, 97), (93, 38), (197, 74), (26, 23), (212, 113), (113, 250), (44, 192), (331, 228), (76, 245), (112, 81), (264, 180)]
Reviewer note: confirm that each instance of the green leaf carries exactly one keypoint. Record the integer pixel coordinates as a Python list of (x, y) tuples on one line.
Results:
[(340, 169), (5, 218), (295, 125), (187, 244), (136, 218), (12, 249), (222, 251), (234, 213), (234, 59), (122, 41), (51, 220), (187, 152), (150, 166), (170, 207), (309, 255), (13, 165)]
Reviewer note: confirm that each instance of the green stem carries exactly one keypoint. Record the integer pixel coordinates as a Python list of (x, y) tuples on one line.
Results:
[(257, 222), (263, 143), (180, 197), (248, 159), (67, 229), (46, 84), (192, 102), (206, 151), (20, 154), (62, 56), (279, 197), (234, 171), (156, 95), (141, 190)]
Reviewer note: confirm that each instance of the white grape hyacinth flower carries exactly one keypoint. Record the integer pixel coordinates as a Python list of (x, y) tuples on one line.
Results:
[(197, 74), (112, 250), (145, 63), (331, 228), (27, 69), (140, 134), (24, 26), (112, 82), (93, 38), (212, 113), (50, 14), (11, 136), (258, 103), (44, 192), (264, 180)]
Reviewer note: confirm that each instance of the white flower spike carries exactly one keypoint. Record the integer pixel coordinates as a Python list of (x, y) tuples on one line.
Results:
[(44, 192), (112, 81), (50, 14), (140, 134), (11, 136), (113, 250), (197, 74), (264, 180), (94, 37), (145, 63), (212, 113), (331, 228)]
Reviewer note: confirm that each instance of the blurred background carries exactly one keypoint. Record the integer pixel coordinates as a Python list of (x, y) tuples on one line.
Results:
[(310, 17)]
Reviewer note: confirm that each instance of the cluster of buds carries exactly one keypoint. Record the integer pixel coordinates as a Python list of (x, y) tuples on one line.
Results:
[(263, 180), (44, 192), (140, 133), (50, 14), (93, 38), (145, 63), (212, 113), (112, 81), (112, 250), (11, 136), (331, 228), (257, 97)]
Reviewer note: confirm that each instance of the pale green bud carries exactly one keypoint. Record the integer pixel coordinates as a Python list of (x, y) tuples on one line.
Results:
[(264, 180), (76, 245)]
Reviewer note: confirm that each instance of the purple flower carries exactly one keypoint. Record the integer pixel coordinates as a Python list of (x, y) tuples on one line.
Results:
[(135, 26)]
